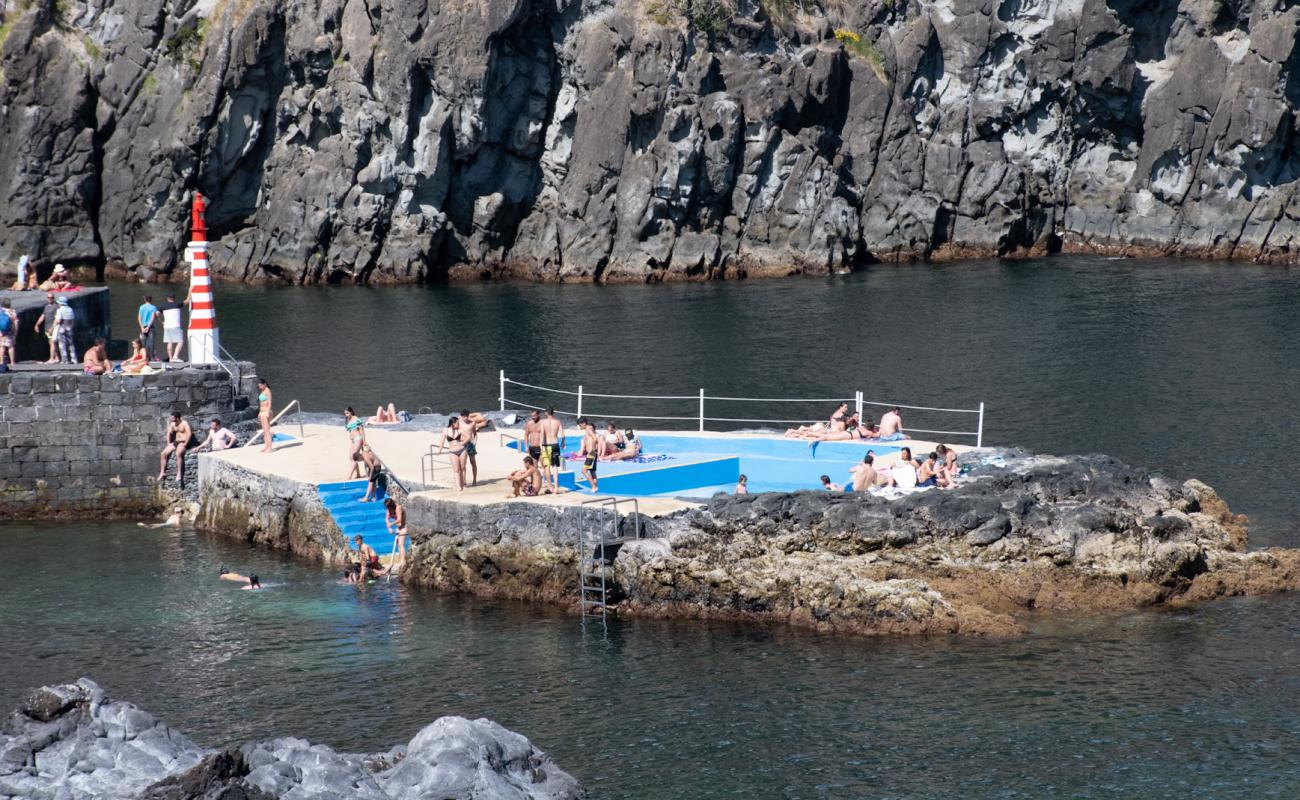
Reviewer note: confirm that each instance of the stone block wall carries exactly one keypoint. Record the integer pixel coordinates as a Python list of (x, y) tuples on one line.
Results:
[(75, 445)]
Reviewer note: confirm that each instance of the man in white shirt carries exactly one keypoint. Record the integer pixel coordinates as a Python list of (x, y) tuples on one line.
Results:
[(173, 332)]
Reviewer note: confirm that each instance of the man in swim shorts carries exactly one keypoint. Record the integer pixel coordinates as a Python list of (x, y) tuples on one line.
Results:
[(251, 580), (590, 450), (533, 436), (370, 566), (891, 426), (552, 452)]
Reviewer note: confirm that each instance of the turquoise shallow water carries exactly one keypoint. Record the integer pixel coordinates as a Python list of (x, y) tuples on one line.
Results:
[(1157, 705)]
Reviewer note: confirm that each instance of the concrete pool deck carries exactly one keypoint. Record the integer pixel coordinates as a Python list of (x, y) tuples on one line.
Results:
[(319, 454)]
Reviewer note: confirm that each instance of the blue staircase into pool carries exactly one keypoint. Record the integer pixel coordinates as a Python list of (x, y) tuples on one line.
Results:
[(343, 500)]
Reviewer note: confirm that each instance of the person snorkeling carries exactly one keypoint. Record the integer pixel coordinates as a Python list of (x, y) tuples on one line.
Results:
[(250, 581)]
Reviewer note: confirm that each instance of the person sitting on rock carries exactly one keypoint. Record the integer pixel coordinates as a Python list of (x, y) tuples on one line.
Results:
[(58, 280), (949, 465), (251, 580), (902, 475), (927, 475), (527, 482), (742, 485), (138, 362), (96, 361)]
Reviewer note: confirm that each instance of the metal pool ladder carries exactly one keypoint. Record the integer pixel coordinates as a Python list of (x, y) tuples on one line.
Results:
[(597, 533)]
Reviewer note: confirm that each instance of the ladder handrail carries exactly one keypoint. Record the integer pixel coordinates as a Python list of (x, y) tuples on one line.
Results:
[(276, 418)]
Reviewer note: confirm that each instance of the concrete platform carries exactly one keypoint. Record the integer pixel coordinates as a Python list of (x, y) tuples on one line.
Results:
[(321, 455)]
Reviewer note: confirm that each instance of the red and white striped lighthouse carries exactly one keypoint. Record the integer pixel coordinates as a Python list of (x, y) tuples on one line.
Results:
[(204, 341)]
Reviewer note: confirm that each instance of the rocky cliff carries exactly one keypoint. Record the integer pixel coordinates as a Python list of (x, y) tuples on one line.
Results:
[(642, 140), (71, 742)]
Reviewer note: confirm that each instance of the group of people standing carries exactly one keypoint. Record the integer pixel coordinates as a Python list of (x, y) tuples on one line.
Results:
[(460, 441)]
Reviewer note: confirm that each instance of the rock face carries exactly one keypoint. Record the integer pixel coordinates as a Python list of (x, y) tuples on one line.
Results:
[(72, 743), (643, 140)]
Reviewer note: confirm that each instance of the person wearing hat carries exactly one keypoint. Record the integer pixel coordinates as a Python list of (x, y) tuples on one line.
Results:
[(65, 321), (58, 281), (45, 325)]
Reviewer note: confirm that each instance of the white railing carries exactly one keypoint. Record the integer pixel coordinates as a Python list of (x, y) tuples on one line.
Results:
[(297, 417), (858, 401)]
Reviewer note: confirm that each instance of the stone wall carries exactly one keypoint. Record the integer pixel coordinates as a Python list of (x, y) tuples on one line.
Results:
[(276, 512), (75, 445)]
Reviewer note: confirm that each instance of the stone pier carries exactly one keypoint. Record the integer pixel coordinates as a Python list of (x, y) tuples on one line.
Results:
[(93, 320), (75, 445)]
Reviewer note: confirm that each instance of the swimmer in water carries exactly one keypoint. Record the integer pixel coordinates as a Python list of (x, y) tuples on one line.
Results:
[(251, 581), (174, 521)]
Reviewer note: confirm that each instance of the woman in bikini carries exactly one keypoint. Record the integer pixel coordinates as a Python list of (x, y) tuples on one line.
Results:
[(356, 440), (852, 432), (455, 441), (137, 361), (264, 412), (395, 518)]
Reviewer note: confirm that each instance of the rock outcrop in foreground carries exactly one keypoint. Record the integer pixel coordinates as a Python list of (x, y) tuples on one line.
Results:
[(1078, 535), (71, 742), (643, 140)]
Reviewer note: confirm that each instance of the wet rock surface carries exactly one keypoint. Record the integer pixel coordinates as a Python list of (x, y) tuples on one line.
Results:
[(71, 742), (613, 140)]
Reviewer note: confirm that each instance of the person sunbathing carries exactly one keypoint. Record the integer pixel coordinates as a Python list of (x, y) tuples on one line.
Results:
[(834, 424), (138, 361), (631, 447), (384, 416), (852, 432)]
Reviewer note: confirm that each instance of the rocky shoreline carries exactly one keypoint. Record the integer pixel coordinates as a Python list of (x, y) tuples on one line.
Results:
[(643, 141), (1023, 534), (72, 742)]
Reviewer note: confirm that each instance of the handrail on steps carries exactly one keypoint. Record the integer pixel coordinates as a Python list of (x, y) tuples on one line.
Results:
[(276, 418)]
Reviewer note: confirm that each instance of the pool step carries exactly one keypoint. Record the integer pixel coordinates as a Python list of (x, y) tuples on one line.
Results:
[(355, 518)]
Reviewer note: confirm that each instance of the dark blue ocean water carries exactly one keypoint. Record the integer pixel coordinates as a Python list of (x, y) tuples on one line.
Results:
[(1185, 367)]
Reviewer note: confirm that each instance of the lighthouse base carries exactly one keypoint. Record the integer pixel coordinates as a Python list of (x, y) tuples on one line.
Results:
[(204, 347)]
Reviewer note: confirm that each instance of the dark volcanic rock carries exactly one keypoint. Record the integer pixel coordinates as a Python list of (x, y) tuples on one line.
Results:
[(642, 141), (72, 743)]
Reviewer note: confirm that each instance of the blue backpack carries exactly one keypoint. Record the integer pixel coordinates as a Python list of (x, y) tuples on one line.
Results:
[(6, 322)]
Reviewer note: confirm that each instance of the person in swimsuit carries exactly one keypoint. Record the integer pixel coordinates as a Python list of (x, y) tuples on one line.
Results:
[(631, 447), (590, 452), (835, 424), (96, 361), (264, 412), (612, 442), (453, 441), (370, 566), (173, 521), (395, 519), (552, 452), (250, 581), (852, 432), (864, 476), (891, 426), (927, 474), (527, 482), (949, 466), (533, 436), (356, 441), (471, 424), (742, 485), (384, 416), (829, 486), (376, 483), (179, 434), (137, 362)]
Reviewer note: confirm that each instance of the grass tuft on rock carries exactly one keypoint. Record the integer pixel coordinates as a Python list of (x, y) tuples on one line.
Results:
[(865, 50)]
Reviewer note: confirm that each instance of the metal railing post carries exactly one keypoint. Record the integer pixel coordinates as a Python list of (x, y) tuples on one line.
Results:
[(579, 400), (979, 432), (857, 402), (502, 395), (701, 411)]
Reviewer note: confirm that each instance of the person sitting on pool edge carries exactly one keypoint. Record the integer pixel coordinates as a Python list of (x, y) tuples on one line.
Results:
[(631, 448), (891, 426), (829, 486), (611, 442), (370, 566), (590, 451), (251, 580), (527, 482), (863, 476)]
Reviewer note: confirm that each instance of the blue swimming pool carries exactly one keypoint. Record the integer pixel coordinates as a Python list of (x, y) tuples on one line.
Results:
[(698, 466)]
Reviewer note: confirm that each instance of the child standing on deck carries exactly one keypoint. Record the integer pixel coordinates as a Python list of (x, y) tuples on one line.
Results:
[(590, 450)]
